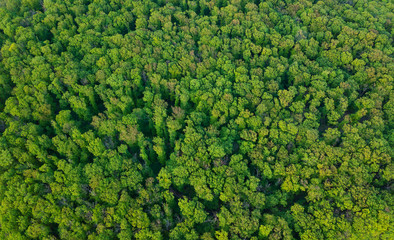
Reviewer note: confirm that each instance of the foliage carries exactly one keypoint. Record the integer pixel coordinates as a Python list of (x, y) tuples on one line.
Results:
[(227, 119)]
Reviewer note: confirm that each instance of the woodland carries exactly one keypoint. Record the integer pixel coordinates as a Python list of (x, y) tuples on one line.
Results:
[(204, 119)]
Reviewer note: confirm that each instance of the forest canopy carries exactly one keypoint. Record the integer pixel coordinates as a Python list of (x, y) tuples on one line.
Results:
[(204, 119)]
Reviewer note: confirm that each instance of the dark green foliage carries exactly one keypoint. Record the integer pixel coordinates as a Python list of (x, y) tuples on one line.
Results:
[(196, 119)]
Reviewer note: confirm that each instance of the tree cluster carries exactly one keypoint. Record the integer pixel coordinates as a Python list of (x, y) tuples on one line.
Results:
[(204, 119)]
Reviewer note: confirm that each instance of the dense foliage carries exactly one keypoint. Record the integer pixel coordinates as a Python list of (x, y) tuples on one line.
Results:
[(210, 119)]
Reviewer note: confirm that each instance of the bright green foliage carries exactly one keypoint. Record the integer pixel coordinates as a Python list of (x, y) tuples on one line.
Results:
[(203, 119)]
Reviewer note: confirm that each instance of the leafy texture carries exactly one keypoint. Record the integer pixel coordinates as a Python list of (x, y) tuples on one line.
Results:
[(208, 119)]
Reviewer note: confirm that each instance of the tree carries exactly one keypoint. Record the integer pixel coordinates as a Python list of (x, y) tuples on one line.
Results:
[(196, 119)]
